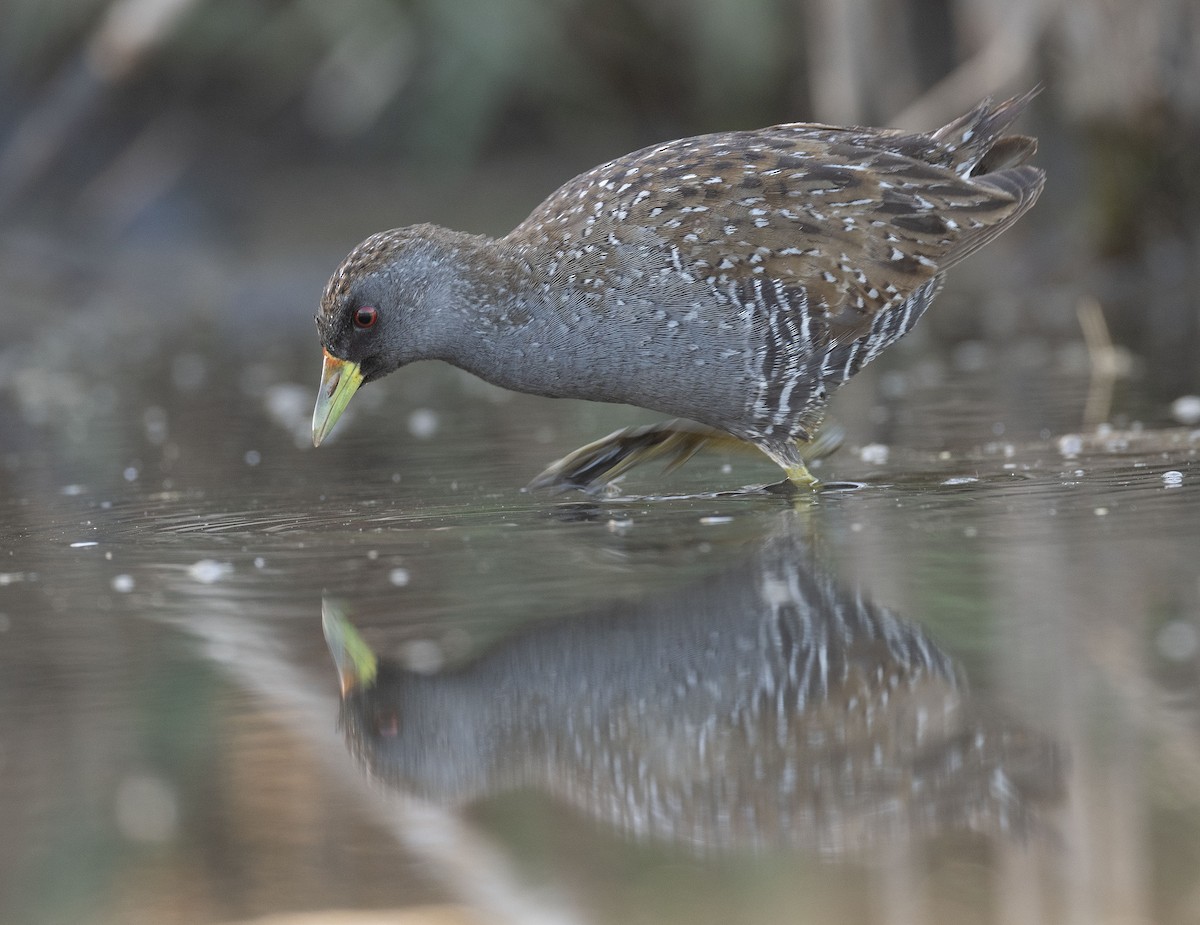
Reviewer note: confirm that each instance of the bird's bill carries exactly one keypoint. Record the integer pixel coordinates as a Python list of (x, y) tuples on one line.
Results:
[(340, 379), (355, 662)]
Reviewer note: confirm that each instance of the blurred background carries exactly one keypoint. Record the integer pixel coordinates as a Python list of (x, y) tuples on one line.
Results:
[(178, 178), (286, 131)]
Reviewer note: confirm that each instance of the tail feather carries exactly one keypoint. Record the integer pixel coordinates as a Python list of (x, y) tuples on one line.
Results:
[(1008, 151), (973, 136), (1023, 184)]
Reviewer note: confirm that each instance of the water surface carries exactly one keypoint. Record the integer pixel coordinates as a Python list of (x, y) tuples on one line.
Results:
[(962, 687)]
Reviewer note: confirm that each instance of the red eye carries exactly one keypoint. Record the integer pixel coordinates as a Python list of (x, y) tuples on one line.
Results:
[(366, 316)]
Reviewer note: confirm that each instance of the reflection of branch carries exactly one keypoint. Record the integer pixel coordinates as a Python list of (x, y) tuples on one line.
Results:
[(465, 861), (1108, 361)]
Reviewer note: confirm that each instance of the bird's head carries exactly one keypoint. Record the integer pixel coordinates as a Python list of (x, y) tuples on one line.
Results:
[(377, 314)]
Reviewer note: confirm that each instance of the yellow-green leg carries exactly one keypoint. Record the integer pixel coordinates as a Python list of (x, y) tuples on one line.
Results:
[(799, 476), (676, 441)]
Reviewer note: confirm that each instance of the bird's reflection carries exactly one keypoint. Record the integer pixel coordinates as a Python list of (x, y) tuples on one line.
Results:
[(764, 707)]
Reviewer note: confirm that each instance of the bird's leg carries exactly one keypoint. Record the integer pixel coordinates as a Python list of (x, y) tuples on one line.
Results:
[(793, 455), (677, 441), (604, 459), (800, 476)]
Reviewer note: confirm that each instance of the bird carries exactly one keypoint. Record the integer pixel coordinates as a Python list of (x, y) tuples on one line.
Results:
[(732, 281)]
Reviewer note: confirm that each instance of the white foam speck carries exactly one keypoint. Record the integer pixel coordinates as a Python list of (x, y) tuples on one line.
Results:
[(423, 656), (874, 454), (1186, 409), (399, 577), (209, 571), (1070, 445), (423, 423), (122, 584)]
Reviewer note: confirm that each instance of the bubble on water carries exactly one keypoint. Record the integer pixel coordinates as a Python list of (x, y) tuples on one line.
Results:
[(1186, 409), (288, 403), (130, 473), (252, 457), (1173, 478), (72, 490), (83, 544), (1178, 640), (619, 526), (874, 454), (1101, 512), (147, 808), (1070, 445), (716, 520), (398, 577), (209, 571), (423, 423), (290, 406), (260, 562), (122, 583)]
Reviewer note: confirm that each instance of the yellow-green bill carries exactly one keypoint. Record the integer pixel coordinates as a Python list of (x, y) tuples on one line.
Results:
[(356, 663), (340, 379)]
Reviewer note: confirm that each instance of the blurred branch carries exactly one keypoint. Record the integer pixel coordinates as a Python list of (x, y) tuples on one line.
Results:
[(1005, 57), (129, 31), (1108, 361), (836, 72)]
